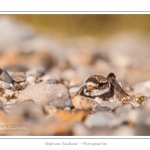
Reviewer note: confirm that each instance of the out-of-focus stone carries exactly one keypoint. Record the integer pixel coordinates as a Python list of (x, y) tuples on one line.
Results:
[(3, 100), (5, 77), (27, 110), (81, 102), (4, 85), (49, 110), (111, 105), (18, 76), (53, 94), (102, 119), (123, 131), (31, 79), (134, 103)]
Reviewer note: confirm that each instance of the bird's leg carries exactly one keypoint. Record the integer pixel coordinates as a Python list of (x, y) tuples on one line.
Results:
[(121, 94)]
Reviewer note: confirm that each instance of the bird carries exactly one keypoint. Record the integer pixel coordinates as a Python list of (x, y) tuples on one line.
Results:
[(100, 88)]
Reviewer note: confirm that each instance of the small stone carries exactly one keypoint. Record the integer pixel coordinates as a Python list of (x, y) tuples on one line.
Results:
[(81, 102), (4, 85), (123, 131), (102, 119), (27, 110), (31, 79), (134, 103), (146, 104), (3, 100), (43, 94), (49, 110), (5, 77), (67, 108), (19, 76), (9, 92), (123, 109), (12, 102)]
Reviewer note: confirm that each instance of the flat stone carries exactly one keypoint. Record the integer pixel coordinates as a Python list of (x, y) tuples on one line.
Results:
[(42, 94), (102, 119)]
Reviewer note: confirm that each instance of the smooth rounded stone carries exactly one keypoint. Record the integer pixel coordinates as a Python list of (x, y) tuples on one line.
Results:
[(23, 85), (6, 96), (37, 72), (134, 103), (12, 102), (142, 130), (1, 105), (3, 100), (132, 116), (5, 85), (100, 108), (31, 79), (146, 104), (67, 108), (142, 88), (111, 105), (5, 77), (9, 92), (73, 90), (102, 119), (81, 102), (79, 129), (43, 94), (49, 110), (61, 102), (123, 131), (27, 110), (18, 76), (123, 109)]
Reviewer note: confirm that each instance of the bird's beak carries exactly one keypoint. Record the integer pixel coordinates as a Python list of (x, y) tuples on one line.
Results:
[(90, 88)]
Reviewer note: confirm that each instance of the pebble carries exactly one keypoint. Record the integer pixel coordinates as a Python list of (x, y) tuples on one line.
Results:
[(123, 131), (3, 100), (5, 77), (102, 119), (52, 94), (27, 110), (61, 102), (134, 104), (9, 92), (146, 104), (18, 76), (31, 79), (5, 85), (81, 102), (124, 109), (49, 110)]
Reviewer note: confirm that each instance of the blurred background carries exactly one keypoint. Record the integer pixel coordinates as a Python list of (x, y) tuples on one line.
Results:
[(77, 46)]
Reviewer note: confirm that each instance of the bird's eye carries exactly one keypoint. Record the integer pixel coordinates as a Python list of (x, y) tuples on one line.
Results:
[(101, 84)]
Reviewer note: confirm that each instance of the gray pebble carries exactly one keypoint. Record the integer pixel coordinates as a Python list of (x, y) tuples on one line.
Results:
[(102, 119), (52, 94), (4, 76)]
